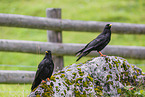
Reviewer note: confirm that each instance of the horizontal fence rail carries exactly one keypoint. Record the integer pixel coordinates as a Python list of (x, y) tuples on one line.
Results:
[(61, 49), (12, 20), (15, 77)]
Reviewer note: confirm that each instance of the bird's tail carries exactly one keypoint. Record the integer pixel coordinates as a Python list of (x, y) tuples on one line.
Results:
[(36, 82), (84, 54), (79, 52)]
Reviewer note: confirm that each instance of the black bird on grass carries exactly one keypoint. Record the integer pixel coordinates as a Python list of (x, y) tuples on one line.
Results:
[(44, 71), (97, 44)]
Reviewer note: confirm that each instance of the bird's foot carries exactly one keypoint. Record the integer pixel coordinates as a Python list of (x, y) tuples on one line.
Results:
[(48, 79), (103, 55), (43, 81)]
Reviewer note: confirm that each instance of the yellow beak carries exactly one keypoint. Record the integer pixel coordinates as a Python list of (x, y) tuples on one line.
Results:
[(110, 25), (46, 51)]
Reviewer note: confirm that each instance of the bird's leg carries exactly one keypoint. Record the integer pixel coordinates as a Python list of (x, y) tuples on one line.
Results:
[(43, 81), (48, 79), (101, 54)]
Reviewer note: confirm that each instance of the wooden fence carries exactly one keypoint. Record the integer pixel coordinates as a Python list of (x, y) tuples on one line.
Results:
[(54, 26)]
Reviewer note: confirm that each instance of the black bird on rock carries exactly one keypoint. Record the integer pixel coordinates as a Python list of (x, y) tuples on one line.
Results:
[(97, 44), (44, 71)]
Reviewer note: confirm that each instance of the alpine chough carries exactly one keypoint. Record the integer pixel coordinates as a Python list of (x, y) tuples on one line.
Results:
[(44, 71), (98, 43)]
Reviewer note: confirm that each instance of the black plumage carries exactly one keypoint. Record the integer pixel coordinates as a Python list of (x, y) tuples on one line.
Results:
[(44, 71), (98, 43)]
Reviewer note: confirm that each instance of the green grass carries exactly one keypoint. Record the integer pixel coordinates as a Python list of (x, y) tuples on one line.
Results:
[(14, 90), (125, 11)]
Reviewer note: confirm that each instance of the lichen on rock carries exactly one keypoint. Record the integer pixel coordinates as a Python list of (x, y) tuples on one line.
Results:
[(101, 76)]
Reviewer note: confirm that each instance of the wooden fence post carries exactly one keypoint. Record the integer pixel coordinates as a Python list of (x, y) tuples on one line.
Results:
[(54, 36)]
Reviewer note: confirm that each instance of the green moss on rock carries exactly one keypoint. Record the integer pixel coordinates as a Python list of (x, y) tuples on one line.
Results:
[(101, 76)]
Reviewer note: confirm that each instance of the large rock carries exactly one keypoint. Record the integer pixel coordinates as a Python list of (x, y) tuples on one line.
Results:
[(101, 76)]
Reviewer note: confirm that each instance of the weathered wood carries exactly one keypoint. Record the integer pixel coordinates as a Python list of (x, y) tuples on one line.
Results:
[(55, 36), (12, 20), (15, 77), (61, 49)]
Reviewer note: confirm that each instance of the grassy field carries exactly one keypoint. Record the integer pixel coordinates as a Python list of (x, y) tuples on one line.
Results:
[(14, 90), (125, 11)]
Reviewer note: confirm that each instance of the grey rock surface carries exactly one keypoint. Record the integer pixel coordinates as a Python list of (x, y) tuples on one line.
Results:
[(100, 76)]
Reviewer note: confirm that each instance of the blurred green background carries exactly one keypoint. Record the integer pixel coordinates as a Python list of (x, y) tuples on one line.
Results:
[(124, 11)]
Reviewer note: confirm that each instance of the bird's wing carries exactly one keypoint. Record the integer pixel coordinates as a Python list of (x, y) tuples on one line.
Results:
[(95, 43), (49, 68), (35, 83), (40, 68), (102, 40), (90, 44)]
